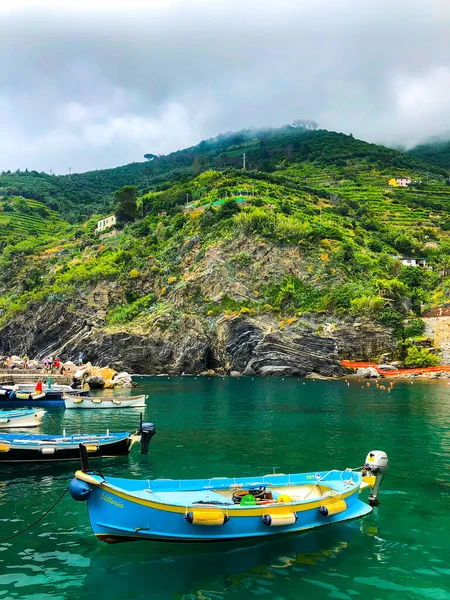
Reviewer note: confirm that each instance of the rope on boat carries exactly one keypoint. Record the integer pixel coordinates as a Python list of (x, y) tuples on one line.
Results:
[(38, 521)]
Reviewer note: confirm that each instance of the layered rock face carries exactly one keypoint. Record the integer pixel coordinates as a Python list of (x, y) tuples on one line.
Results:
[(257, 348), (246, 345)]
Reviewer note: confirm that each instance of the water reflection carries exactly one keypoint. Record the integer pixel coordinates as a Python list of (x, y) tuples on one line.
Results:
[(208, 570)]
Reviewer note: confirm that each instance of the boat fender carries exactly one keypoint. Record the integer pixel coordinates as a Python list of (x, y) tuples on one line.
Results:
[(213, 518), (47, 450), (333, 509), (279, 520), (79, 490), (284, 498), (5, 447)]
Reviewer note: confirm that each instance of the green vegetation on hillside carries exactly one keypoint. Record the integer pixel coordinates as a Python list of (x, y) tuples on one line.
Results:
[(80, 195), (437, 153), (310, 228)]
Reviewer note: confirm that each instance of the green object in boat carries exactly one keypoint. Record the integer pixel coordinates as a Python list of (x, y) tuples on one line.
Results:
[(248, 500)]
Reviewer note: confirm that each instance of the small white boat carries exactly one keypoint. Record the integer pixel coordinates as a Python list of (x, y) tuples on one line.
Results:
[(20, 418), (102, 402)]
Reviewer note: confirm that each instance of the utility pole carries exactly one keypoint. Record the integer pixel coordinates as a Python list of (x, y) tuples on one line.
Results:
[(243, 161), (187, 199), (70, 173)]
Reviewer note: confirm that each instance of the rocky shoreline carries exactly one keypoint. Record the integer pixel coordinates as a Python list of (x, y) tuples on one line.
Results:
[(229, 344), (236, 345)]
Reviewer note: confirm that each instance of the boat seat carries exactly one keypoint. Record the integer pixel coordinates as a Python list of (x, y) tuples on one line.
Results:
[(300, 492)]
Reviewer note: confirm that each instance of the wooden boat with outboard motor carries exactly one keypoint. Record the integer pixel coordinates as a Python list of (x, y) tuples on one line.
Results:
[(222, 508), (93, 402), (20, 418), (16, 448)]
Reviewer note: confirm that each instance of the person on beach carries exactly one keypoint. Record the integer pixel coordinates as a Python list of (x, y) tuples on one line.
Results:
[(57, 362), (45, 363), (25, 361), (80, 359), (39, 387), (50, 363)]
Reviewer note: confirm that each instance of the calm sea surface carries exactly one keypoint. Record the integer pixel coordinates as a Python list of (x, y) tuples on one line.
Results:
[(226, 427)]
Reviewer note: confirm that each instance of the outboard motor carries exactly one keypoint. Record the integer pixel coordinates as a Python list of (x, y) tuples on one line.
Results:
[(147, 431), (376, 464)]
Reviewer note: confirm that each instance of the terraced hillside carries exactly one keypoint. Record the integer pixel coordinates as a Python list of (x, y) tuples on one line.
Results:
[(22, 219), (323, 157), (299, 248)]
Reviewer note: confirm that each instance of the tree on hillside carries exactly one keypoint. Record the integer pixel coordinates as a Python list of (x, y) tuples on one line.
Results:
[(125, 205), (149, 156)]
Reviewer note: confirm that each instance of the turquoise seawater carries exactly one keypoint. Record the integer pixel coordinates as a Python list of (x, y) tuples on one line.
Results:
[(229, 427)]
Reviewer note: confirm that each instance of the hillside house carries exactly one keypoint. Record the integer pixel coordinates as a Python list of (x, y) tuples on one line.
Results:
[(411, 262), (105, 223), (399, 182)]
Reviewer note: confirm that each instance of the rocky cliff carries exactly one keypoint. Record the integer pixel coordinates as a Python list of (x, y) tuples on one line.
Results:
[(242, 344)]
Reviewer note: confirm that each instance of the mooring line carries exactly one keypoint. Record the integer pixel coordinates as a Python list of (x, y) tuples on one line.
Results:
[(38, 521)]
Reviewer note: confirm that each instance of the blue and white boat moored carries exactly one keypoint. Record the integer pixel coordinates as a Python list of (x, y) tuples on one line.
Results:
[(225, 508), (20, 418)]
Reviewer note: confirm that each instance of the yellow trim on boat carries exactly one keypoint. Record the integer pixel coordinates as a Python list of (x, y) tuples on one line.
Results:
[(86, 477), (257, 511)]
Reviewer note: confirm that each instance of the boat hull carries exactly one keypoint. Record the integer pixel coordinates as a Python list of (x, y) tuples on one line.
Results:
[(102, 403), (26, 418), (48, 451), (118, 515), (53, 397)]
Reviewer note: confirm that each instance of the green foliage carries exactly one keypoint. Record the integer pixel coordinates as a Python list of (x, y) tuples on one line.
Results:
[(310, 226), (127, 312), (367, 306), (420, 358), (294, 294), (242, 259), (414, 328), (228, 209), (125, 207)]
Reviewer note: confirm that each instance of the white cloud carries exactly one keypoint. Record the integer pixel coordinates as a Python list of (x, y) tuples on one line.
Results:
[(98, 83)]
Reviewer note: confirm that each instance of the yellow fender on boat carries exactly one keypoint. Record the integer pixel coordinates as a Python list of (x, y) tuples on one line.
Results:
[(212, 518), (279, 520), (4, 448), (335, 508), (284, 498)]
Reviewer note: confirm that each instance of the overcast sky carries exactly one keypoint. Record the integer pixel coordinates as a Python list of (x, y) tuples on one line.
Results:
[(94, 84)]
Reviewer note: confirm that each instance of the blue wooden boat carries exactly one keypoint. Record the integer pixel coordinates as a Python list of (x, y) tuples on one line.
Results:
[(224, 508), (16, 448), (26, 396)]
